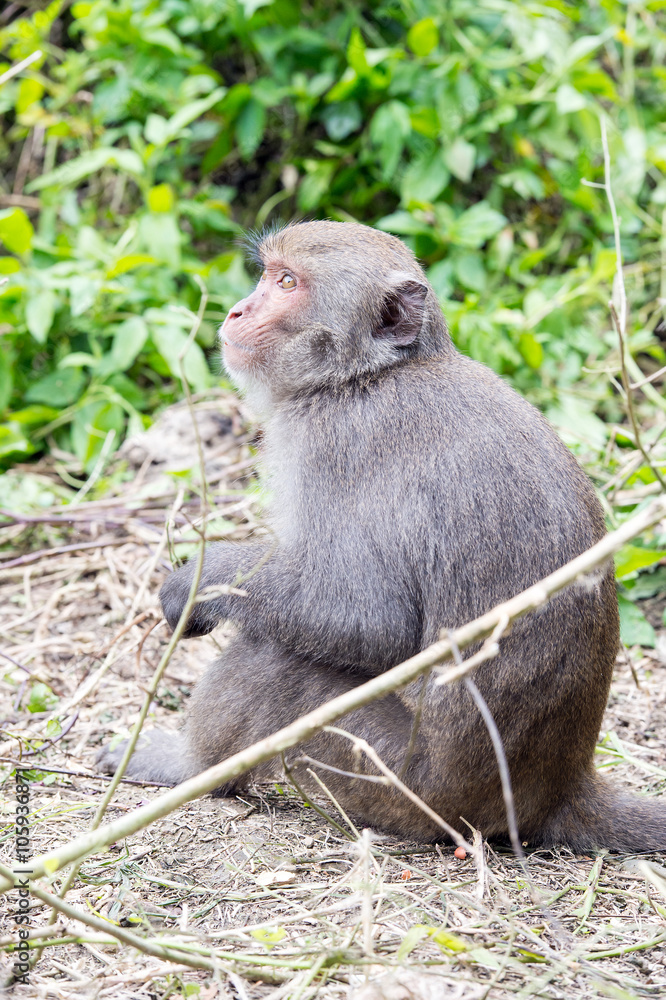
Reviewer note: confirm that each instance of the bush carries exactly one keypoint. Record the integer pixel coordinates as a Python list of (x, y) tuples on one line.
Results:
[(147, 135)]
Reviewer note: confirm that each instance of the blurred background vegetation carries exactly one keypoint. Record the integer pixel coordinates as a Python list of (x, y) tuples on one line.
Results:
[(147, 135)]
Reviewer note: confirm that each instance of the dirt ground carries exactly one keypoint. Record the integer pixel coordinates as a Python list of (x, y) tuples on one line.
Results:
[(278, 900)]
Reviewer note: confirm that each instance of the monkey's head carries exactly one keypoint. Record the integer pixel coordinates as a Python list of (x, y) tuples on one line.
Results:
[(336, 301)]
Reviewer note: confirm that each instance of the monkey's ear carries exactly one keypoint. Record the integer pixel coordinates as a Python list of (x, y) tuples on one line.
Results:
[(402, 314)]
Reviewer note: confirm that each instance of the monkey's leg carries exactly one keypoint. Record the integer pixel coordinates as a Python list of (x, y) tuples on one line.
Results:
[(257, 688), (159, 756)]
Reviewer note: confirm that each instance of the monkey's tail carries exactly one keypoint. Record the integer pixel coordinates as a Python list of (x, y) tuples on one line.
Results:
[(598, 816)]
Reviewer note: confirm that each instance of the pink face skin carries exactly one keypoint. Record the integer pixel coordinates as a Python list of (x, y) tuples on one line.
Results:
[(257, 324)]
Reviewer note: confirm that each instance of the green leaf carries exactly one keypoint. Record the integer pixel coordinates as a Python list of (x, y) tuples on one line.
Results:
[(313, 188), (41, 699), (631, 558), (568, 99), (162, 237), (577, 423), (82, 293), (404, 224), (28, 416), (6, 377), (170, 341), (635, 629), (476, 225), (470, 271), (444, 940), (75, 170), (440, 276), (341, 119), (53, 728), (524, 182), (390, 127), (59, 388), (250, 6), (250, 126), (459, 158), (187, 114), (161, 198), (16, 230), (356, 53), (39, 313), (128, 340), (423, 37), (645, 585), (9, 265), (468, 94), (91, 425), (269, 937), (30, 91), (78, 359), (449, 942), (424, 179), (531, 350), (411, 940), (128, 263), (13, 442), (156, 130)]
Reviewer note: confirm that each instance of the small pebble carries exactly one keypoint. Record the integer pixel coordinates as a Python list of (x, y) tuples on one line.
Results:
[(308, 841), (460, 852)]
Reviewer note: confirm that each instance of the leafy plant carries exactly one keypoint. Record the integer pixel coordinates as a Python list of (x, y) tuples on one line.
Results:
[(146, 136)]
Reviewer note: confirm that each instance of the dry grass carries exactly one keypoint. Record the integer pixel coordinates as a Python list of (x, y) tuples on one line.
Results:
[(289, 907)]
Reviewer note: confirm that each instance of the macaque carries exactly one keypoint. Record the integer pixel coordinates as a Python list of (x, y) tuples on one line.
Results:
[(412, 490)]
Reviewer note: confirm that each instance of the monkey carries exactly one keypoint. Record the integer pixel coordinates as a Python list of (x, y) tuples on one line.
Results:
[(411, 490)]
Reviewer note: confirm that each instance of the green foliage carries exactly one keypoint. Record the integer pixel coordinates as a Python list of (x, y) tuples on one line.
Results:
[(148, 135), (635, 629)]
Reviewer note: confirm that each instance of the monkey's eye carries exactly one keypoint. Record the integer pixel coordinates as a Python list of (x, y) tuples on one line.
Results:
[(287, 281)]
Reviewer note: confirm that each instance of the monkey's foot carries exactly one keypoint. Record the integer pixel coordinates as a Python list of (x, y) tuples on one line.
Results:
[(159, 756)]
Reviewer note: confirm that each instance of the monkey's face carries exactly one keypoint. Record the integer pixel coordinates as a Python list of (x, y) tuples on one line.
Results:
[(258, 325), (335, 302)]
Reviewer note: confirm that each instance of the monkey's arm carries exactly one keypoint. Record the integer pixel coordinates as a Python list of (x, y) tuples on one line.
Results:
[(227, 564), (368, 624)]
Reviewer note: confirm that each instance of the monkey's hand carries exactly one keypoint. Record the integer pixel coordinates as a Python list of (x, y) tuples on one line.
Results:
[(220, 588)]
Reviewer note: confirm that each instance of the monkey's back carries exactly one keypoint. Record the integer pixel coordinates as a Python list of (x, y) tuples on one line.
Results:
[(440, 493), (446, 480)]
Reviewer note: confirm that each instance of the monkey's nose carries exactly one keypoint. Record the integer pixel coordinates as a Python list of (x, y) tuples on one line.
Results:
[(235, 312)]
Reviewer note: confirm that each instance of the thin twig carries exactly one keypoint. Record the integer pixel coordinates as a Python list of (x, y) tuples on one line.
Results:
[(18, 67), (620, 321), (372, 754)]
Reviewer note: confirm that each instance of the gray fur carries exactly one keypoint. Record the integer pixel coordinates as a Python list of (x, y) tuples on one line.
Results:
[(412, 491)]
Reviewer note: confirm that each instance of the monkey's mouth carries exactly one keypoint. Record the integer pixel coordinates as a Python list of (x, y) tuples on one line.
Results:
[(238, 347)]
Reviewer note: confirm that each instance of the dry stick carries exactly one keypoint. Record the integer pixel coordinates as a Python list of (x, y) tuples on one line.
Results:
[(372, 754), (327, 791), (392, 680), (20, 66), (141, 944), (289, 775), (648, 378), (31, 557), (630, 402), (366, 898), (168, 653), (416, 725), (620, 321), (498, 746)]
